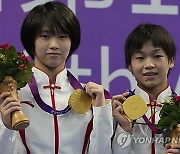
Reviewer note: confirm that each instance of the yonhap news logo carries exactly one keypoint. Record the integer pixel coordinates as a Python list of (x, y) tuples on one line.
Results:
[(125, 139)]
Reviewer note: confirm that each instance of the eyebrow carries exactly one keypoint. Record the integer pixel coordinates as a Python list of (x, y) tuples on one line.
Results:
[(45, 30), (155, 50)]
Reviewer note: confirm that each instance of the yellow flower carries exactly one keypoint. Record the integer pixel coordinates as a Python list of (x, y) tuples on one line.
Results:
[(3, 58)]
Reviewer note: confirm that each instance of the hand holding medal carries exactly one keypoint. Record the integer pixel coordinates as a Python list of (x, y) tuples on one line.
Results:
[(128, 107), (134, 107), (80, 100)]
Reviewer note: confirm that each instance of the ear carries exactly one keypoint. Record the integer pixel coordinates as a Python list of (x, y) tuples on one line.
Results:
[(130, 68), (171, 63)]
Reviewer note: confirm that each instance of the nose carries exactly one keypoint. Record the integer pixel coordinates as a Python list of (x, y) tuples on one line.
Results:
[(54, 43), (149, 63)]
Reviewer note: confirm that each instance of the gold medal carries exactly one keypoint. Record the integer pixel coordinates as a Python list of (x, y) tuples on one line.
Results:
[(80, 101), (134, 107)]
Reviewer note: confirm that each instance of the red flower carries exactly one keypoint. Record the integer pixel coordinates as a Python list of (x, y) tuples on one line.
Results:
[(5, 46), (22, 66), (177, 98), (17, 64), (23, 57)]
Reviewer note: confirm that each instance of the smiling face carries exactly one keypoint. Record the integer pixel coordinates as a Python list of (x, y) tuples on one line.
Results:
[(150, 66), (51, 51)]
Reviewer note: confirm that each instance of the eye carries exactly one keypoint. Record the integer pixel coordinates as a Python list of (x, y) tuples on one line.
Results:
[(45, 36), (158, 56), (140, 58), (63, 36)]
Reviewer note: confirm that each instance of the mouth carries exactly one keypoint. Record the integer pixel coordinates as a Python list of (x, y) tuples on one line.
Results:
[(149, 74), (53, 53)]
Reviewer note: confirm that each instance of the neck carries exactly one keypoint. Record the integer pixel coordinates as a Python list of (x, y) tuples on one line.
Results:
[(51, 72), (154, 92)]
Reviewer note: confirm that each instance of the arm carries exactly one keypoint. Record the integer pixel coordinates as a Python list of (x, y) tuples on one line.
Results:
[(100, 137), (118, 112), (121, 138), (6, 139), (7, 106)]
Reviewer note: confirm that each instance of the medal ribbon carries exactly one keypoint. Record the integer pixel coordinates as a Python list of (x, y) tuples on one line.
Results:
[(150, 125), (73, 82), (76, 85)]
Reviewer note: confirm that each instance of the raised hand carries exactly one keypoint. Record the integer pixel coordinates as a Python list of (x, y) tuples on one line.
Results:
[(172, 150), (118, 112), (96, 92), (7, 106)]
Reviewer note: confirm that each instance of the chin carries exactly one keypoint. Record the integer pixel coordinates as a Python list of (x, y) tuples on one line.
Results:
[(149, 85), (53, 66)]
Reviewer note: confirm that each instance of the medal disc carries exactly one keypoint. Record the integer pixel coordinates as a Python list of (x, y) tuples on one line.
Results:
[(80, 101), (134, 107)]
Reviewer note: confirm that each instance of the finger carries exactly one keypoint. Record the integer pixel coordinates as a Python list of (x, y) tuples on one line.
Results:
[(172, 151), (8, 100), (9, 103), (115, 104), (3, 96), (96, 94), (120, 110), (118, 114), (12, 104), (167, 146), (116, 97), (175, 146), (90, 85), (120, 98), (8, 111), (94, 89), (126, 94)]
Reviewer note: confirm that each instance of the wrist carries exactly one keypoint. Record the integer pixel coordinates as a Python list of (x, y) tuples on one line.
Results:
[(99, 103)]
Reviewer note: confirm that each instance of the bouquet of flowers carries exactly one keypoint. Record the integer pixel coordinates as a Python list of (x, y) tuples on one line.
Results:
[(170, 118), (14, 64), (15, 73)]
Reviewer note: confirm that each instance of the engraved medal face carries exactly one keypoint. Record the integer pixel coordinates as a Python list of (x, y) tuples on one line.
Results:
[(80, 101), (134, 107)]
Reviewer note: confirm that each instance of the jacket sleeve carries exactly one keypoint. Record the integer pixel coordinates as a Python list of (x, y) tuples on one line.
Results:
[(100, 138), (6, 139), (121, 142)]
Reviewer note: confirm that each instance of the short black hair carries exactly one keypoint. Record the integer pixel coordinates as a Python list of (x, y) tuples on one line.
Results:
[(145, 32), (58, 17)]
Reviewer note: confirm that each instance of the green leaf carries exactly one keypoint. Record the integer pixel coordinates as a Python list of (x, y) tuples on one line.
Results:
[(1, 76), (10, 66), (21, 84), (165, 122), (173, 125), (8, 71)]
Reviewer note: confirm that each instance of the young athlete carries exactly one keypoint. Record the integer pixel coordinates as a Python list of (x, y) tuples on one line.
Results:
[(149, 55), (50, 34)]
